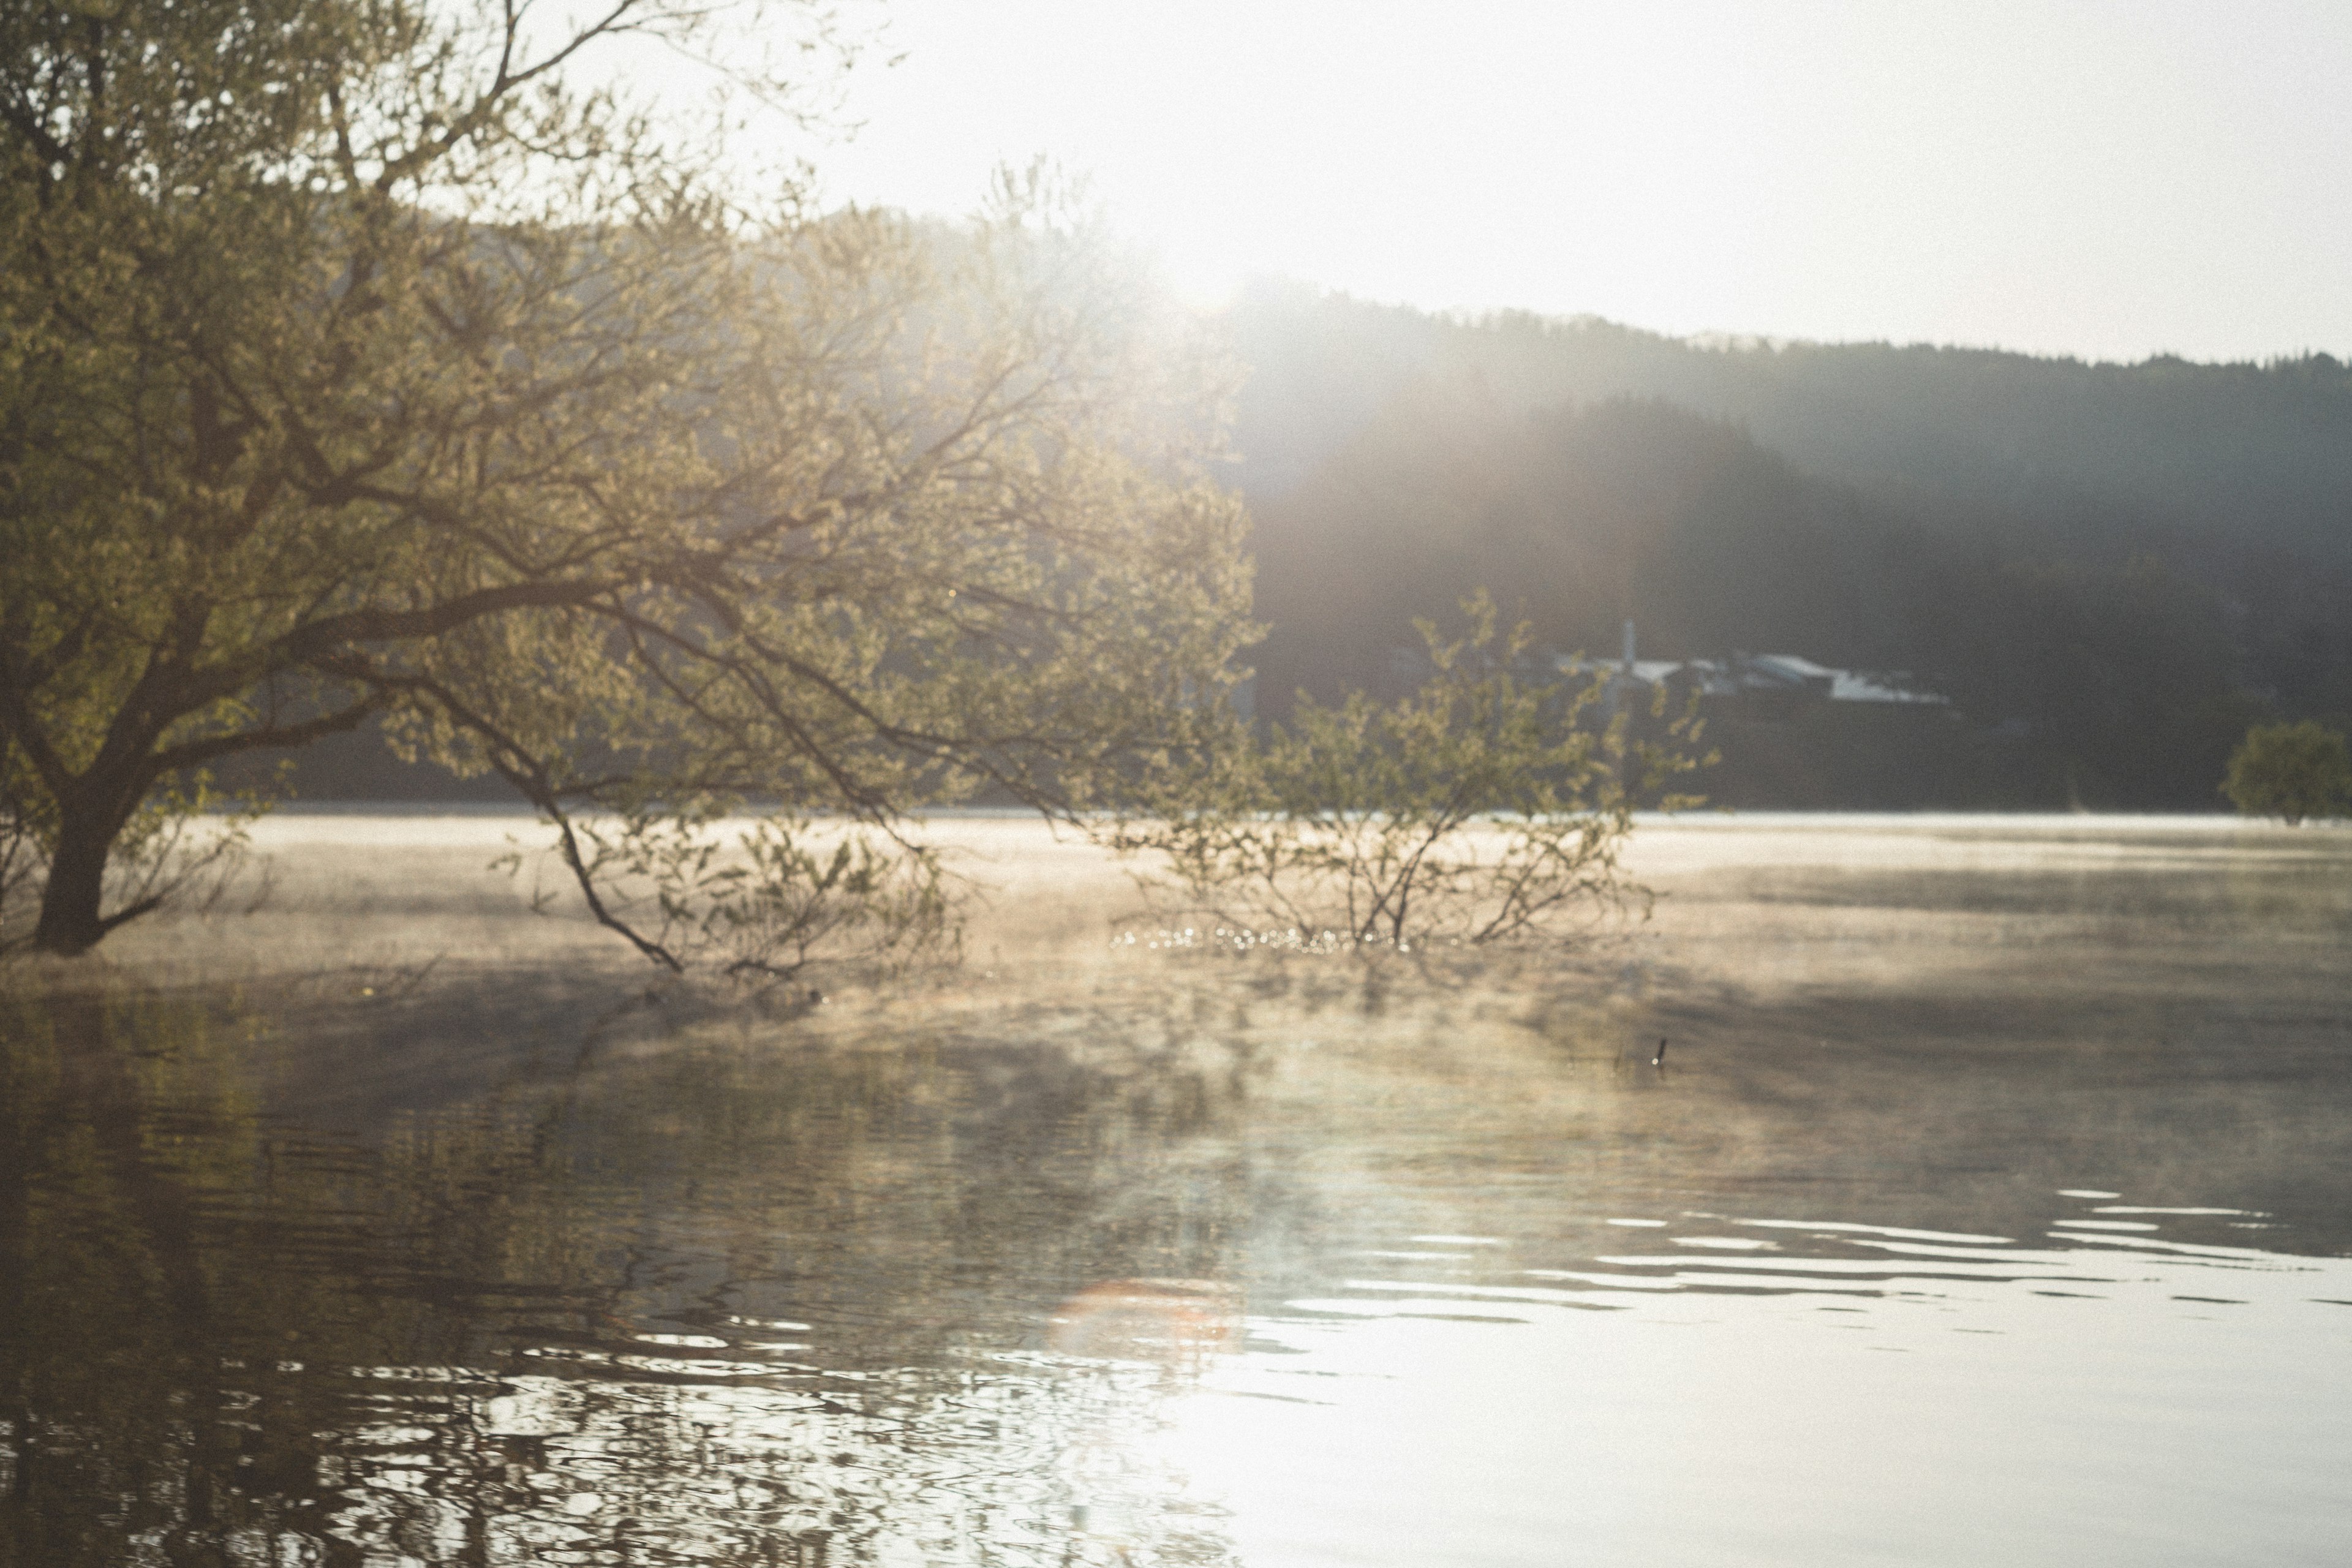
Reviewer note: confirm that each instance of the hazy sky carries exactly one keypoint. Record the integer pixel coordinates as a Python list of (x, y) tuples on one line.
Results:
[(2107, 179)]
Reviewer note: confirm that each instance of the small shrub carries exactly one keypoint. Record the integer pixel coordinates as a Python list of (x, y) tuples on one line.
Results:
[(1484, 807), (2291, 771)]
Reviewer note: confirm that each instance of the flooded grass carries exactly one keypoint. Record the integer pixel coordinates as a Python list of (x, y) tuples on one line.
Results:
[(1993, 1202)]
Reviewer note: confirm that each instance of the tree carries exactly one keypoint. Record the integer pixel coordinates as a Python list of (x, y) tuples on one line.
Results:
[(360, 363), (2291, 770), (1494, 803)]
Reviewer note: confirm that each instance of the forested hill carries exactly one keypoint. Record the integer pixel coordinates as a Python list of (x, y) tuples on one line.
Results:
[(2116, 567), (1969, 437)]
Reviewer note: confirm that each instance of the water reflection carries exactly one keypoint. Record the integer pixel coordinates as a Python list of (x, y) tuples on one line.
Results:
[(706, 1304), (1266, 1265)]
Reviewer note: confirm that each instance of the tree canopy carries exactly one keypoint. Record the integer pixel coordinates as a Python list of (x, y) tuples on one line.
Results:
[(2291, 771), (363, 358)]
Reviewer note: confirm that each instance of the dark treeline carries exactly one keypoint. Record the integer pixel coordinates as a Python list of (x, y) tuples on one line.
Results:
[(2111, 570)]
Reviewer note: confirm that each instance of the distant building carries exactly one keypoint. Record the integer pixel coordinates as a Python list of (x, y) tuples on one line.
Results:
[(1786, 670), (1788, 733), (1767, 683), (1760, 685)]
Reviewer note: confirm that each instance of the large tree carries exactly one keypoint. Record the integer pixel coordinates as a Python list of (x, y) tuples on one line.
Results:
[(365, 360)]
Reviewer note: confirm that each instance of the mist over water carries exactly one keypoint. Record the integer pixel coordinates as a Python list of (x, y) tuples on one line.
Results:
[(1994, 1202)]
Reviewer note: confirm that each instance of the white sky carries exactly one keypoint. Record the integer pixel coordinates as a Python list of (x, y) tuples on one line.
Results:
[(2109, 178)]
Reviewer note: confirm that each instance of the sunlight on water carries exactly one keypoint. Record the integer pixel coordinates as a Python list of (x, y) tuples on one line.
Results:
[(2135, 1402)]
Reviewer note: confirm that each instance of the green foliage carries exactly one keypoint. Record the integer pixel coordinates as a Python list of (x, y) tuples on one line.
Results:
[(358, 363), (1489, 805), (2291, 771)]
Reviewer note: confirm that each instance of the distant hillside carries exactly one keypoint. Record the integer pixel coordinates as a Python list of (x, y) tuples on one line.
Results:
[(2123, 565), (1967, 436)]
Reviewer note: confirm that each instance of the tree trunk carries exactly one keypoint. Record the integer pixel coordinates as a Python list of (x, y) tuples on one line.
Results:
[(71, 921)]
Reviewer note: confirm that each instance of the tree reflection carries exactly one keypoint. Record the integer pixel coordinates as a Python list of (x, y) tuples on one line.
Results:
[(714, 1303)]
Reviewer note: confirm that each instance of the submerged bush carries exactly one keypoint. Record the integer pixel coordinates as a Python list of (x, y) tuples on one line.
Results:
[(760, 900), (1487, 805)]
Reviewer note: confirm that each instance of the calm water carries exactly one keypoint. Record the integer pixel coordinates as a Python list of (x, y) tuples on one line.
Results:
[(1204, 1263)]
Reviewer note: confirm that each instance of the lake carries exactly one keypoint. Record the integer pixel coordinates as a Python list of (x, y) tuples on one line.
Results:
[(1992, 1203)]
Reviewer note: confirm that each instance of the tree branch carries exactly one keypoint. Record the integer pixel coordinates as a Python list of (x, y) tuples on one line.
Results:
[(196, 753)]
